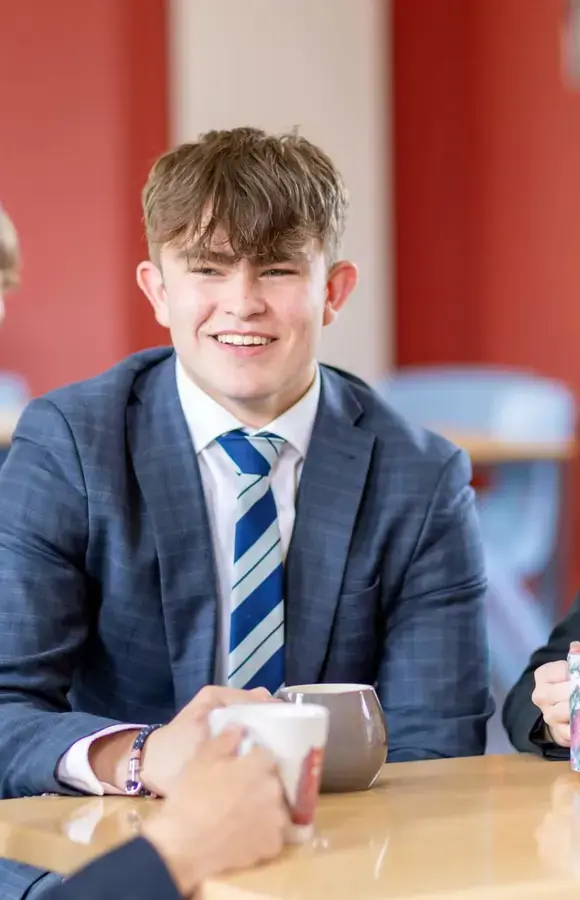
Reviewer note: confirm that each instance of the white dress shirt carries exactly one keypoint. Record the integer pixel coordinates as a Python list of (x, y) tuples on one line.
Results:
[(206, 421)]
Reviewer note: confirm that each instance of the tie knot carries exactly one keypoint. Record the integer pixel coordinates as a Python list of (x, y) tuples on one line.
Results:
[(253, 454)]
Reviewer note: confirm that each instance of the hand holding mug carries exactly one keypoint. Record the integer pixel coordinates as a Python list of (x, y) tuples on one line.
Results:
[(223, 812), (169, 748), (551, 695)]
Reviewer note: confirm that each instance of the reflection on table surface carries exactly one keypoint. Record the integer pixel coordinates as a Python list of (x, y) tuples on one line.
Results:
[(485, 827)]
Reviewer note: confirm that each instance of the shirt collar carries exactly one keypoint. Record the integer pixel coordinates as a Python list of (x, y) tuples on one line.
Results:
[(207, 420)]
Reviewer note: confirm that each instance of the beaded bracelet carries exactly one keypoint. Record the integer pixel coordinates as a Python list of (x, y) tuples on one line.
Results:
[(133, 785)]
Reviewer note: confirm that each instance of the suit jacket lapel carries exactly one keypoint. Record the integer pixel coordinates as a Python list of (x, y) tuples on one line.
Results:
[(331, 487), (168, 474)]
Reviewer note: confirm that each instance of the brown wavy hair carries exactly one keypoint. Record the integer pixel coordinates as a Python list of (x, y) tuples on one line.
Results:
[(267, 196)]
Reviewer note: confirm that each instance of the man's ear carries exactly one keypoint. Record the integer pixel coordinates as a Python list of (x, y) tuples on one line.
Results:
[(150, 280), (340, 284)]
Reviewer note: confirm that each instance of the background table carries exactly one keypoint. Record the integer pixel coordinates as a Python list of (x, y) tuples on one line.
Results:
[(8, 422), (468, 829), (484, 450)]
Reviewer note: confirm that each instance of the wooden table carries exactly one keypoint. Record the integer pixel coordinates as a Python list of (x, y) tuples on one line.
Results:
[(487, 452), (487, 828)]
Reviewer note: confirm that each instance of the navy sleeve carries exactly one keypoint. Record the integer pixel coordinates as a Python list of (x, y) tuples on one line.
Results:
[(434, 680), (135, 871)]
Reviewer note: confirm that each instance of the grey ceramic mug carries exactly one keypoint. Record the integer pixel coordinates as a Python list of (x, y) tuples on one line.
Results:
[(357, 738)]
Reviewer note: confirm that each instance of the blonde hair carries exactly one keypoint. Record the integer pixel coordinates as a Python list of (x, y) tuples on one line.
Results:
[(266, 195), (9, 252)]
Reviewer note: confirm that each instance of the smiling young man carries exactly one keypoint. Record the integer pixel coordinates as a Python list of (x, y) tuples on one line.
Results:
[(225, 510)]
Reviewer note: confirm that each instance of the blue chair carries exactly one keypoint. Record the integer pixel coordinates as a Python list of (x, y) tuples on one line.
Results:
[(520, 513), (14, 391), (14, 395)]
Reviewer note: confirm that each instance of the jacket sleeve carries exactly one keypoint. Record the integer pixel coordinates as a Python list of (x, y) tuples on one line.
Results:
[(135, 871), (434, 679), (44, 601)]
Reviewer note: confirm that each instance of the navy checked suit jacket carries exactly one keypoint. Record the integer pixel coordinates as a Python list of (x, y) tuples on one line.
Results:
[(108, 597), (132, 872)]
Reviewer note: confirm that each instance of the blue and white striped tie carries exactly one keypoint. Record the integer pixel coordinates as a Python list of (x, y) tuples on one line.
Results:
[(256, 656)]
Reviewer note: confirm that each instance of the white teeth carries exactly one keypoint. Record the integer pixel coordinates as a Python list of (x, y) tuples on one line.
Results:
[(242, 339)]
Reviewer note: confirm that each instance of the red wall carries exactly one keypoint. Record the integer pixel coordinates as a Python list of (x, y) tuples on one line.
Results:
[(83, 117), (487, 150), (433, 153), (487, 184), (528, 139)]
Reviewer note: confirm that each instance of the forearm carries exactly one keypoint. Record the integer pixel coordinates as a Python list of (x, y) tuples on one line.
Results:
[(32, 742), (109, 757), (443, 658), (434, 677)]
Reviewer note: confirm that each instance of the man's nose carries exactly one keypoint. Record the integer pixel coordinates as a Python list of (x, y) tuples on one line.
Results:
[(245, 296)]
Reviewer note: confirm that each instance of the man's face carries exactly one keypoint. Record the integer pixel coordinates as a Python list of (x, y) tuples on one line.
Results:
[(247, 332)]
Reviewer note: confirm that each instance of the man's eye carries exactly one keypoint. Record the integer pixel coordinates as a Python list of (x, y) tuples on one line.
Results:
[(276, 273), (204, 270)]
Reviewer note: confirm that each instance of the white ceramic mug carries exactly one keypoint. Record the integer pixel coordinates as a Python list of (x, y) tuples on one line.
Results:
[(296, 737)]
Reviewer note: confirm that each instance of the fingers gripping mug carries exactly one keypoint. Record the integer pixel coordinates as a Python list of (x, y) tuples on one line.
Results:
[(296, 737)]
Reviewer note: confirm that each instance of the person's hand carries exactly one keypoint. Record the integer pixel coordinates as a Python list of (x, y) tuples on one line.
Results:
[(166, 750), (552, 697), (222, 813)]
